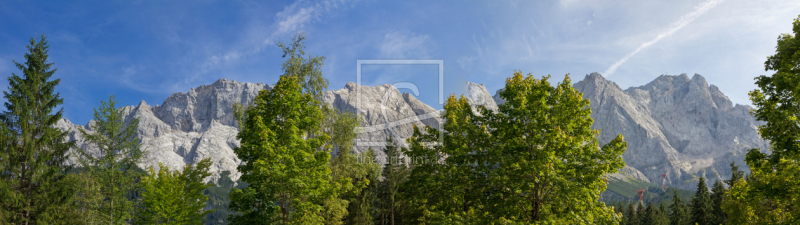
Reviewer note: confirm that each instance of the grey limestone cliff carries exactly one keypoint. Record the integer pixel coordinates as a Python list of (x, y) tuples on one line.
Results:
[(674, 124)]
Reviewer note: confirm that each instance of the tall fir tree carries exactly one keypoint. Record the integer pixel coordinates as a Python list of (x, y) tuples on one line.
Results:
[(662, 219), (736, 175), (113, 167), (718, 216), (394, 174), (678, 215), (701, 204), (33, 183), (631, 215), (650, 215)]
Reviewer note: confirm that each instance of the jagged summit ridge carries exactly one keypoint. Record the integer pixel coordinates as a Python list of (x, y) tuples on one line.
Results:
[(674, 124)]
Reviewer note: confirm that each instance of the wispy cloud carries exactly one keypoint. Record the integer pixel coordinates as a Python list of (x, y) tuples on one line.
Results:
[(399, 45), (291, 19), (675, 26)]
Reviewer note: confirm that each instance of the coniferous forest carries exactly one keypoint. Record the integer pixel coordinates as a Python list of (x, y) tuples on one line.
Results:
[(536, 161)]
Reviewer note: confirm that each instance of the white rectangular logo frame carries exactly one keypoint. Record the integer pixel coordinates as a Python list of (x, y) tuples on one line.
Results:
[(438, 62)]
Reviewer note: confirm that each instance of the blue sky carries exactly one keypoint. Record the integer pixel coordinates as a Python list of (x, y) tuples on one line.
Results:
[(146, 50)]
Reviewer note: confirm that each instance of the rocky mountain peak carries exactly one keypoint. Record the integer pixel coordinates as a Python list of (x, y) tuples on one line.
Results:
[(674, 124)]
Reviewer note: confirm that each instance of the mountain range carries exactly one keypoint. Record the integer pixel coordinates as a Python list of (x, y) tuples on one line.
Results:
[(674, 125)]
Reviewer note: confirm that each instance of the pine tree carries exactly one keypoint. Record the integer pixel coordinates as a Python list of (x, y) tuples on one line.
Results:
[(717, 197), (650, 215), (175, 197), (33, 184), (679, 216), (631, 215), (114, 169), (621, 211), (701, 204), (736, 175), (395, 173), (662, 219)]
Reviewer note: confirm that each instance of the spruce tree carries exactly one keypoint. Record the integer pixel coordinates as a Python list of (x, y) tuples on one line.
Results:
[(736, 175), (662, 219), (33, 184), (717, 197), (701, 204), (650, 215), (631, 216), (394, 174), (679, 216), (113, 167)]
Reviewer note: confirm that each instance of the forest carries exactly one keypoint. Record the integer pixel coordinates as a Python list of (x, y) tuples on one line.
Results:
[(536, 161)]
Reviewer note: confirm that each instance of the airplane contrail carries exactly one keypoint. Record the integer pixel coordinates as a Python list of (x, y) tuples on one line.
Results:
[(675, 26)]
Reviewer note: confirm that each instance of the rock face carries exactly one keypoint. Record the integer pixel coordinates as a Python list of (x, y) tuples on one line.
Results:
[(673, 125), (187, 128), (385, 112)]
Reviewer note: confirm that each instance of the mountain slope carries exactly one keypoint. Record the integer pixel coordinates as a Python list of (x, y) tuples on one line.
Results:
[(673, 125)]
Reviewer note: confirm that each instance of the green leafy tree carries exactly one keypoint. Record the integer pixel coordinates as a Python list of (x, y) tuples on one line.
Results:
[(362, 205), (769, 194), (285, 159), (307, 69), (548, 158), (33, 184), (679, 214), (113, 167), (174, 197), (461, 180), (701, 204), (348, 173)]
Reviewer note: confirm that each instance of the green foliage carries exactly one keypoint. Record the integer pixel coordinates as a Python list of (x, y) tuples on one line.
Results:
[(769, 195), (679, 211), (218, 199), (631, 215), (307, 70), (363, 204), (114, 167), (701, 204), (717, 197), (537, 161), (395, 172), (736, 175), (33, 186), (548, 158), (174, 197), (285, 159)]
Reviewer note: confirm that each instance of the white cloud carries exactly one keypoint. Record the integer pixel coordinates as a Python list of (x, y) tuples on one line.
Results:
[(291, 19), (675, 26), (465, 61), (397, 45)]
